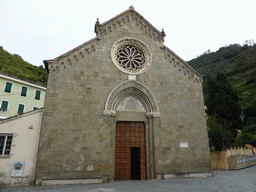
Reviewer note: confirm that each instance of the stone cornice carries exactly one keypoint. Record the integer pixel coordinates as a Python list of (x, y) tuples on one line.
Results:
[(182, 65), (71, 56), (129, 16), (77, 48)]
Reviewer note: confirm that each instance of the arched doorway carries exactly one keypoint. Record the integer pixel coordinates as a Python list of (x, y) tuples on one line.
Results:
[(132, 106)]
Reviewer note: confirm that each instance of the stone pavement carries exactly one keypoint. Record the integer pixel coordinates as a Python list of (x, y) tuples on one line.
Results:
[(240, 180)]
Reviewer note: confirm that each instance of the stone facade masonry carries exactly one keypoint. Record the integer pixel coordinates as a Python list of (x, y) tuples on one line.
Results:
[(84, 88)]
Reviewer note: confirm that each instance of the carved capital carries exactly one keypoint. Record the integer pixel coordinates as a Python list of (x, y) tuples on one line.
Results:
[(109, 112), (153, 114), (113, 113), (149, 114), (156, 114)]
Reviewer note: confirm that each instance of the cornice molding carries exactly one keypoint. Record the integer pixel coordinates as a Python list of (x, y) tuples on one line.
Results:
[(183, 67), (129, 16), (71, 57)]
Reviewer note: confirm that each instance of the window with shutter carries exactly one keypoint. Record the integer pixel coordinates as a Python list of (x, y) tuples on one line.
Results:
[(21, 109), (38, 94), (8, 87), (4, 105), (24, 91)]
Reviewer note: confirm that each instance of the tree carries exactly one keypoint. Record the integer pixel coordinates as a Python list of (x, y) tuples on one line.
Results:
[(250, 113), (222, 103), (219, 137)]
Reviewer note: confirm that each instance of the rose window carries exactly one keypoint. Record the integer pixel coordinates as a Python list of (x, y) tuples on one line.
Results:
[(130, 58)]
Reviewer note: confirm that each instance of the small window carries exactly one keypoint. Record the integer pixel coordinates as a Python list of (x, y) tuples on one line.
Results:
[(21, 109), (5, 144), (4, 105), (38, 94), (8, 87), (24, 91), (35, 108)]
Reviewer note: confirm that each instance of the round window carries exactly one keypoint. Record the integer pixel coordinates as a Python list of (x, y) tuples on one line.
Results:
[(131, 56)]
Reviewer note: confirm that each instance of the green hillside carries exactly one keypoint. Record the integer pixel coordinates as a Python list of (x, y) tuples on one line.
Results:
[(15, 66), (238, 63)]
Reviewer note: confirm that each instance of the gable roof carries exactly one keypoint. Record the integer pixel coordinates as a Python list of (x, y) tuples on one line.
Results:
[(111, 25), (102, 29), (127, 16)]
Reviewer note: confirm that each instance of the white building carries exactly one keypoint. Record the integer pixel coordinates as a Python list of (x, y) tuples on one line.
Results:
[(19, 138)]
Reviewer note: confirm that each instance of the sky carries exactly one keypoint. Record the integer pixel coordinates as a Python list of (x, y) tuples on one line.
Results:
[(40, 30)]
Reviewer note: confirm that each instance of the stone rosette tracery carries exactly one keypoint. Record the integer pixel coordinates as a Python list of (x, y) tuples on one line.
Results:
[(131, 56)]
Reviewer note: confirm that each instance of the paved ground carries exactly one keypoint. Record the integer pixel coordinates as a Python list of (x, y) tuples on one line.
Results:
[(242, 180)]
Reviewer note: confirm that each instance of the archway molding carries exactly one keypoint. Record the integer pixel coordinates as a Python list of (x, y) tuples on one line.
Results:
[(135, 89), (150, 116)]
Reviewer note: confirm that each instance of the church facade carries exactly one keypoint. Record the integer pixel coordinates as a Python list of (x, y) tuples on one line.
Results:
[(122, 106)]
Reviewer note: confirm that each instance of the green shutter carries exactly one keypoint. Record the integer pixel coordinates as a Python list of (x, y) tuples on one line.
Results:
[(38, 93), (8, 87), (35, 108), (2, 140), (24, 91), (4, 105), (21, 109)]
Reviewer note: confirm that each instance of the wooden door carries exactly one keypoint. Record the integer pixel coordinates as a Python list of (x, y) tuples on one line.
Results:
[(130, 143)]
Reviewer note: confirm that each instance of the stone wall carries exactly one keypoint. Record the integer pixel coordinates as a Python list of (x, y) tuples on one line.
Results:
[(233, 158), (77, 132), (240, 162), (219, 160)]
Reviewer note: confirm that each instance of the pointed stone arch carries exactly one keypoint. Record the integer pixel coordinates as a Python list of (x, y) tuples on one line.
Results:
[(135, 89)]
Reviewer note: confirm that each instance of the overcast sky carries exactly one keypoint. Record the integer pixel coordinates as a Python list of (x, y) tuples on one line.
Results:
[(40, 30)]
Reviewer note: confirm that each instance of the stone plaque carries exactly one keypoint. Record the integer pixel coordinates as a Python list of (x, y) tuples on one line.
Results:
[(184, 144)]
